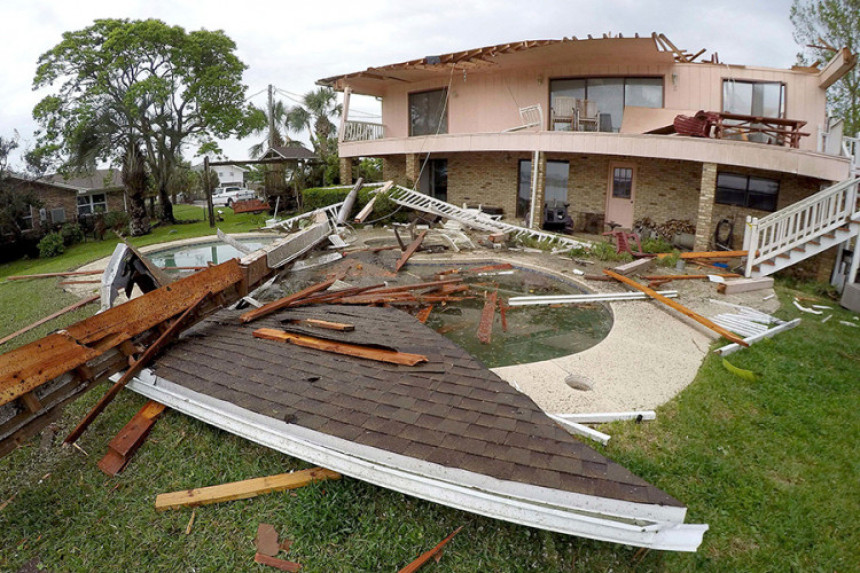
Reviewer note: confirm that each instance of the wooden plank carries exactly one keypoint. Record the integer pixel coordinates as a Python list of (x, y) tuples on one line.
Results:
[(31, 402), (49, 275), (426, 556), (708, 255), (424, 314), (92, 282), (42, 321), (636, 266), (173, 330), (367, 352), (284, 302), (679, 307), (365, 211), (124, 445), (241, 489), (745, 285), (325, 324), (485, 327), (410, 250), (484, 269), (280, 564)]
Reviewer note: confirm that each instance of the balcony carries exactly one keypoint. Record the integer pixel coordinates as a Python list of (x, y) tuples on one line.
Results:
[(362, 131)]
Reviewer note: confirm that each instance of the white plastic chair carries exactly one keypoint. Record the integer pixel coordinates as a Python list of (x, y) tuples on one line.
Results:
[(531, 116)]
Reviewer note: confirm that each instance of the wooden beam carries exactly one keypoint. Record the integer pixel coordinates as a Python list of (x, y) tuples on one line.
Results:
[(680, 308), (280, 564), (173, 330), (325, 324), (241, 489), (410, 250), (745, 285), (708, 255), (42, 321), (836, 68), (424, 314), (367, 352), (426, 556), (124, 445), (687, 277), (285, 302), (50, 275), (485, 326)]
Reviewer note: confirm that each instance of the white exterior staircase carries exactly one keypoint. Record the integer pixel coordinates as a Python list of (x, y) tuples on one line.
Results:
[(476, 219), (786, 237)]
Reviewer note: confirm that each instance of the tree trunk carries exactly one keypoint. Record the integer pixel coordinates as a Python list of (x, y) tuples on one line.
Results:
[(166, 207), (134, 178)]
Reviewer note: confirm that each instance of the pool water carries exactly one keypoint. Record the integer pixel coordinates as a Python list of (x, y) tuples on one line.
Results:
[(534, 333), (202, 254)]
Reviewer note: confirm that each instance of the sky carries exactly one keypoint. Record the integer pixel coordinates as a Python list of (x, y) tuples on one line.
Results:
[(291, 44)]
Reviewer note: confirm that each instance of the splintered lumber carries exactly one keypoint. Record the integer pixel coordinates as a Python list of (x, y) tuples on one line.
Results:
[(42, 321), (325, 324), (367, 352), (679, 307), (688, 277), (428, 555), (503, 312), (241, 489), (410, 250), (49, 275), (130, 438), (280, 564), (485, 327), (708, 255), (172, 331), (745, 285), (31, 365), (366, 210), (424, 314), (92, 282), (285, 302)]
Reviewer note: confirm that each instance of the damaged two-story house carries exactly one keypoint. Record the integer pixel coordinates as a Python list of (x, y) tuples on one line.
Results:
[(611, 127)]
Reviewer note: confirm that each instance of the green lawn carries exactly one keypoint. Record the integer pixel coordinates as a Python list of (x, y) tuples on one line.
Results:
[(771, 465), (22, 303)]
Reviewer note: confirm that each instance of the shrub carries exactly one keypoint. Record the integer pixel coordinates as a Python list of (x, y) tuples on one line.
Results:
[(117, 221), (670, 261), (51, 245), (606, 252), (71, 234), (318, 197), (656, 245)]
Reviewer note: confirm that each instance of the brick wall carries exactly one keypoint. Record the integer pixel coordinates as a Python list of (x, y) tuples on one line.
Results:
[(116, 201), (485, 178), (394, 169)]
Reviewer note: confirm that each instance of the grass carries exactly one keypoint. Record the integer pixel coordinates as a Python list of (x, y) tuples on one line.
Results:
[(24, 302), (770, 465)]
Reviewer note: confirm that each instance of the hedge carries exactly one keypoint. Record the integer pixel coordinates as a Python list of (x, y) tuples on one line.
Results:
[(318, 197)]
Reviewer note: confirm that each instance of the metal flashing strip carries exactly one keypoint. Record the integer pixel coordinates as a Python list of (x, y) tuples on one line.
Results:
[(642, 525)]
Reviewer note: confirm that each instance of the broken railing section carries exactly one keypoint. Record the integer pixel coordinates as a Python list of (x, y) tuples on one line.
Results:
[(37, 379)]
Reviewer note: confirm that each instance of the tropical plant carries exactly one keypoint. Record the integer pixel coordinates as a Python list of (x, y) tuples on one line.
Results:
[(822, 27), (136, 180), (126, 82), (314, 116)]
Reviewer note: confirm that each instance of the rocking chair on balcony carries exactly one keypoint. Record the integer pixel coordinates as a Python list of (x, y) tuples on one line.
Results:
[(531, 116)]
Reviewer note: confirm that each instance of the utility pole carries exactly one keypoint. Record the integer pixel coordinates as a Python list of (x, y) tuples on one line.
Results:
[(271, 116), (207, 183)]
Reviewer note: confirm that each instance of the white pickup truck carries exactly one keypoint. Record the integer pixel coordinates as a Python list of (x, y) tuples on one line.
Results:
[(226, 196)]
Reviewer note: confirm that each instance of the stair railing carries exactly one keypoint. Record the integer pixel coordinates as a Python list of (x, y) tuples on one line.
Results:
[(784, 230)]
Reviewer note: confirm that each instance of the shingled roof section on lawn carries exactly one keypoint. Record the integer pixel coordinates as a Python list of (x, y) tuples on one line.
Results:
[(450, 421)]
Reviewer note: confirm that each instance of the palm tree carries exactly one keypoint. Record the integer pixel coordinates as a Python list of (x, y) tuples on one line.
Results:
[(314, 116), (275, 138)]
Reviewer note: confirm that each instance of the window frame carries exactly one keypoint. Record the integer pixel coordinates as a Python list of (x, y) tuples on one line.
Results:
[(585, 79), (526, 205), (747, 193), (443, 119), (783, 93), (91, 204)]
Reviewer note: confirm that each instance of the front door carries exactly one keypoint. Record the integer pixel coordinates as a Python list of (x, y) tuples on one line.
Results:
[(620, 195)]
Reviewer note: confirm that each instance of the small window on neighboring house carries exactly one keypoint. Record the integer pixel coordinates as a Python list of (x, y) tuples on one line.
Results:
[(747, 191), (428, 112), (58, 215), (27, 220), (88, 204)]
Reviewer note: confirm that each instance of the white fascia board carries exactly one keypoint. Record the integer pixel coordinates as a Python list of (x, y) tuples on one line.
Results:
[(642, 525)]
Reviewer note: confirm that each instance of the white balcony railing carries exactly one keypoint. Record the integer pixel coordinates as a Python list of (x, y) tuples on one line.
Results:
[(363, 131), (851, 148), (784, 230)]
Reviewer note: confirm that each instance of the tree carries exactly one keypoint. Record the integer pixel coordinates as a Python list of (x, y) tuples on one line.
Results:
[(15, 203), (121, 83), (136, 181), (822, 27), (314, 116)]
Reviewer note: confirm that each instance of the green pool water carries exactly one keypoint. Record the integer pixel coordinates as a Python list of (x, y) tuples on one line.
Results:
[(201, 254)]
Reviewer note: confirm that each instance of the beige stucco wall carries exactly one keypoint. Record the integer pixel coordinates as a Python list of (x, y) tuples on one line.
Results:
[(488, 101)]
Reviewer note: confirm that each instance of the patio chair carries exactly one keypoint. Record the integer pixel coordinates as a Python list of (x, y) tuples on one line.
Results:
[(531, 116), (588, 115), (564, 111)]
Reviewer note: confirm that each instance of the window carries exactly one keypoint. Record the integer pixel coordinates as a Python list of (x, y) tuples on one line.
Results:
[(557, 174), (611, 95), (747, 191), (88, 204), (622, 182), (765, 99), (58, 215), (434, 179), (27, 219), (428, 113)]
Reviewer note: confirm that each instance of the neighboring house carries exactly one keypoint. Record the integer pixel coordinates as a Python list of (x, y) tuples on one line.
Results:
[(98, 192), (58, 204), (228, 175), (591, 123)]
